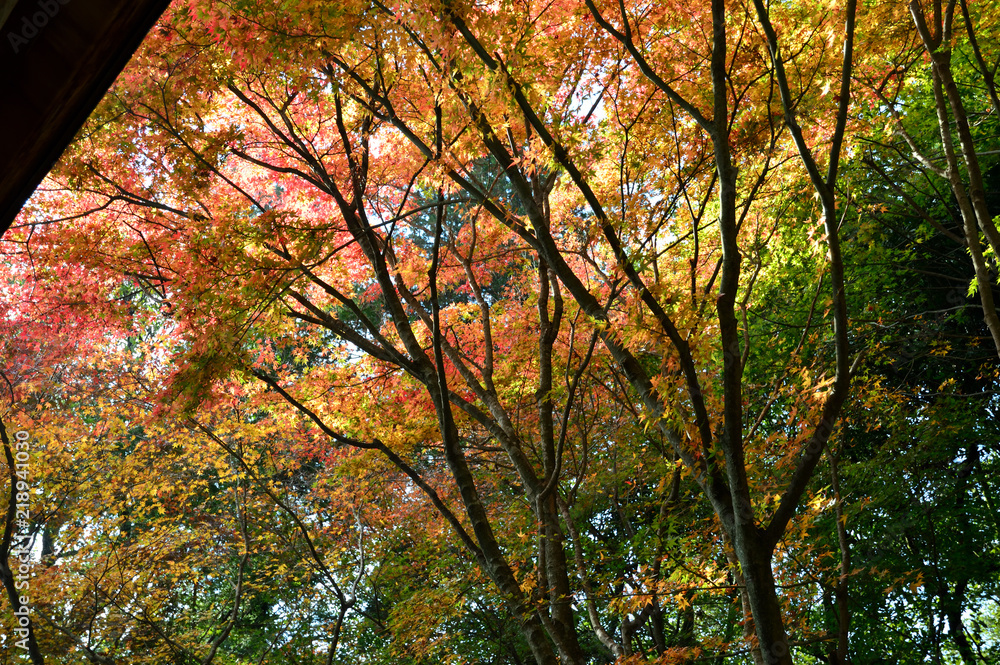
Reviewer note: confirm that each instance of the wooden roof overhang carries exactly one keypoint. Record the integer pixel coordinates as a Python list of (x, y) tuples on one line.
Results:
[(57, 59)]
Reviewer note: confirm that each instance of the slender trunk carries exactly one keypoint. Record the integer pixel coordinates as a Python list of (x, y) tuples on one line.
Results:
[(602, 633), (984, 69), (843, 599), (956, 628), (936, 38), (656, 627), (741, 585), (984, 281), (553, 570), (953, 603), (25, 627), (557, 574), (932, 632), (977, 190), (437, 386)]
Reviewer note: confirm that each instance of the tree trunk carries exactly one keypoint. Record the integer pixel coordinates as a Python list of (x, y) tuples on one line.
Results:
[(755, 560)]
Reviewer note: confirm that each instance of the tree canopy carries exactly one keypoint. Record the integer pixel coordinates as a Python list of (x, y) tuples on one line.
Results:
[(514, 332)]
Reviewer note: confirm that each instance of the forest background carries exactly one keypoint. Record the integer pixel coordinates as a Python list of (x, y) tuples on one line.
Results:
[(514, 332)]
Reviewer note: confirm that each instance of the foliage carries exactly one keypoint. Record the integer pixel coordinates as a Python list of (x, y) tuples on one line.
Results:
[(425, 332)]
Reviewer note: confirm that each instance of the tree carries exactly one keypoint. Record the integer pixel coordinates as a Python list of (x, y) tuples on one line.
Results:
[(937, 40), (525, 268)]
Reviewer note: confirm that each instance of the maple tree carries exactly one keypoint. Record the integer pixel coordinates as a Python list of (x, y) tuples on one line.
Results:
[(935, 40), (446, 332)]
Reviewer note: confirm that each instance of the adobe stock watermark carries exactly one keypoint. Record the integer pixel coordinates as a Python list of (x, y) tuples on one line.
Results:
[(775, 652), (22, 551), (32, 23)]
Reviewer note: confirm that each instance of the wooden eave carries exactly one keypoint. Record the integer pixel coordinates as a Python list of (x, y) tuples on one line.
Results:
[(57, 59)]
